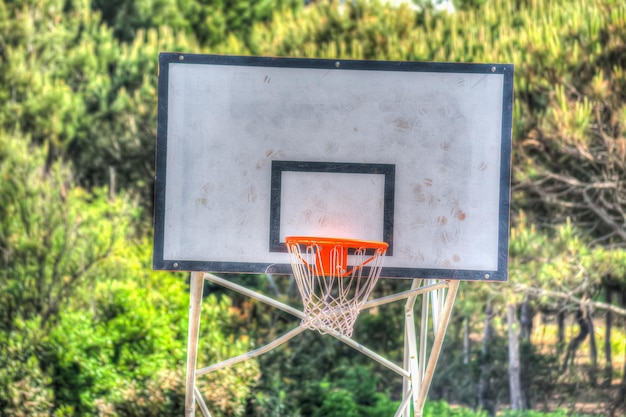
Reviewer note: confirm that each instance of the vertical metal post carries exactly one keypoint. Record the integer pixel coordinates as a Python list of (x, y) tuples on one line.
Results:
[(196, 284), (407, 392), (411, 360), (440, 333), (436, 308), (414, 363), (424, 334)]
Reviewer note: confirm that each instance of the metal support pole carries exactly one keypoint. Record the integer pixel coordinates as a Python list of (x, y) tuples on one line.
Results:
[(422, 364), (409, 295), (444, 319), (403, 410), (417, 371), (414, 362), (411, 360), (203, 408), (253, 353), (406, 381), (196, 284), (424, 335)]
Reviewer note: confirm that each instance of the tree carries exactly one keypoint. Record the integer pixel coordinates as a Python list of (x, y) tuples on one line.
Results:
[(53, 237), (572, 153), (209, 21), (515, 381), (85, 325)]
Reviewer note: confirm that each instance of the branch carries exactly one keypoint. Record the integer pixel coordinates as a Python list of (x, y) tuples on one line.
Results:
[(604, 217), (569, 297)]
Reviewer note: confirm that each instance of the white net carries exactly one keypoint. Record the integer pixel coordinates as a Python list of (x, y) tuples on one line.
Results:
[(333, 283)]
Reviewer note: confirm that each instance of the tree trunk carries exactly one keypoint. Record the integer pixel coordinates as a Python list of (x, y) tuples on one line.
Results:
[(526, 320), (560, 321), (608, 354), (466, 342), (112, 189), (593, 349), (583, 325), (620, 400), (515, 381), (485, 399)]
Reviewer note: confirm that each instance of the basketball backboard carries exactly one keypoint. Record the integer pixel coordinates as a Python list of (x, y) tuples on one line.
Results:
[(253, 149)]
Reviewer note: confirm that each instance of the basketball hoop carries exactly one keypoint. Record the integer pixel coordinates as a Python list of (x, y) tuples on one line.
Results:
[(335, 278)]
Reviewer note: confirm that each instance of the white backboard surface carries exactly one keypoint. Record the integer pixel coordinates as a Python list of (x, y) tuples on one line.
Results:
[(253, 149)]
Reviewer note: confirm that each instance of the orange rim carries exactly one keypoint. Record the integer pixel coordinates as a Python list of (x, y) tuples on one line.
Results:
[(327, 261), (327, 241)]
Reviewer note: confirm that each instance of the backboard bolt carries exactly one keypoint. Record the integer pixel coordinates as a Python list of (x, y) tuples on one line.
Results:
[(337, 64), (493, 69), (175, 265), (486, 276), (181, 58)]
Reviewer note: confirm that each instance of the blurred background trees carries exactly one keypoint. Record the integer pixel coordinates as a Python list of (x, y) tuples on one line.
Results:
[(86, 328)]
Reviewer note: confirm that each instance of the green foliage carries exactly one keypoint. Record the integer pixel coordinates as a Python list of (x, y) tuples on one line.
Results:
[(210, 22), (126, 353), (440, 408), (468, 4), (86, 327), (128, 17), (561, 259), (70, 85), (337, 403), (124, 343), (53, 238), (557, 413), (353, 393), (53, 235), (22, 382)]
